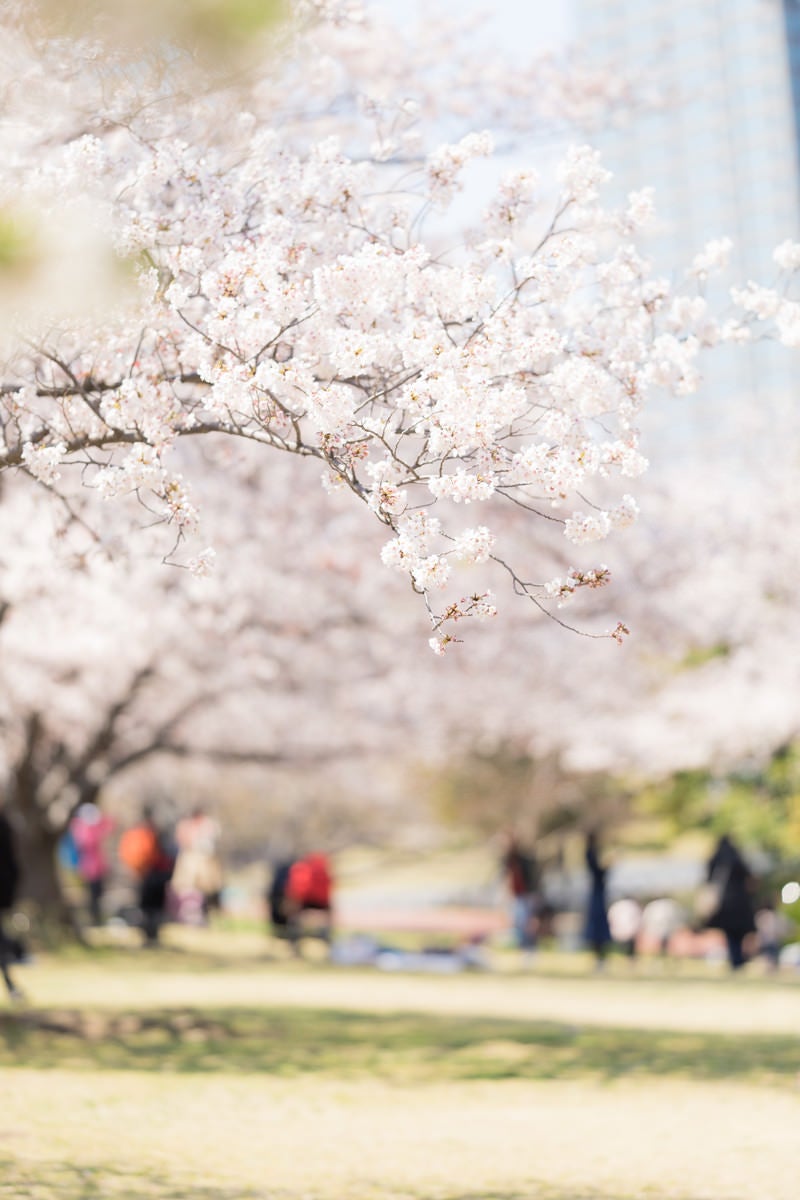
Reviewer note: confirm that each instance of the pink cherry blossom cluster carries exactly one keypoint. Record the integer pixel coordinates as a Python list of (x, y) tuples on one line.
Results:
[(564, 589)]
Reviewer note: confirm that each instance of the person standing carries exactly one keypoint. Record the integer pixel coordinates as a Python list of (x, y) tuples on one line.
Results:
[(144, 851), (520, 869), (197, 879), (596, 931), (90, 828), (9, 879), (733, 913)]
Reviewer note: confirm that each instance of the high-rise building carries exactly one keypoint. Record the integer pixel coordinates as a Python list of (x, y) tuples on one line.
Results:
[(791, 19), (721, 150)]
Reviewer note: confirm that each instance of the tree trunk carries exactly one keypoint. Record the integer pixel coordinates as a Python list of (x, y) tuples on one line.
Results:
[(40, 883)]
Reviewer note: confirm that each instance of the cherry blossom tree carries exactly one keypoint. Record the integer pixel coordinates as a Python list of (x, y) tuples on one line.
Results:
[(287, 657), (293, 281), (717, 680), (200, 260)]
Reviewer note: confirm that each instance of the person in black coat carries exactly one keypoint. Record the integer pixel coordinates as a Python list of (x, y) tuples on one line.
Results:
[(9, 878), (733, 913)]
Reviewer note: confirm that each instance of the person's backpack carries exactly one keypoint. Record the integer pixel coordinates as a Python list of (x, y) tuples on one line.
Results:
[(310, 882), (139, 849)]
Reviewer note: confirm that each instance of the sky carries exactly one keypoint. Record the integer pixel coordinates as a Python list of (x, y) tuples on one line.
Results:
[(524, 27), (521, 26)]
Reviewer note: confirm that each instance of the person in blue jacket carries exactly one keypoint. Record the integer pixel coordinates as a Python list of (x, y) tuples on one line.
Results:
[(596, 930)]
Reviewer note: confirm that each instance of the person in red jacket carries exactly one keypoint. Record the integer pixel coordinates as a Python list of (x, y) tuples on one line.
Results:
[(307, 886)]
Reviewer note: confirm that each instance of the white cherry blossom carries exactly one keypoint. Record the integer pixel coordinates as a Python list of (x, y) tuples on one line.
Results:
[(289, 270)]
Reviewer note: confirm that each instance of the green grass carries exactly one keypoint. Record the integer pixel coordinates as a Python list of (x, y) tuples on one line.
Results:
[(217, 1069), (406, 1048)]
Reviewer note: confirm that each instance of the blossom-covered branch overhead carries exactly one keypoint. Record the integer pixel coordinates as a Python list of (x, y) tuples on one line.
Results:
[(276, 257)]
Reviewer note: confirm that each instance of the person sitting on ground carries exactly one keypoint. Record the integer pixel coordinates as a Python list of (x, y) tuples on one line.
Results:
[(772, 929), (625, 921), (661, 920)]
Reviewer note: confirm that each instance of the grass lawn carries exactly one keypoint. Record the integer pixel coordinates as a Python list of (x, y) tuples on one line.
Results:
[(205, 1070)]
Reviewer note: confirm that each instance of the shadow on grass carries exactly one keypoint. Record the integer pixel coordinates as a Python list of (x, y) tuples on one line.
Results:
[(397, 1047), (135, 959), (53, 1181)]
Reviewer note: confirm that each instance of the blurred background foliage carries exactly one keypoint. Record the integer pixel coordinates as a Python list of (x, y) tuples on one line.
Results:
[(759, 804)]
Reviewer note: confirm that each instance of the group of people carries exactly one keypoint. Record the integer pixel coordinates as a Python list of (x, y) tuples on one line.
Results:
[(182, 871), (531, 916), (182, 868), (177, 870), (183, 865), (729, 895)]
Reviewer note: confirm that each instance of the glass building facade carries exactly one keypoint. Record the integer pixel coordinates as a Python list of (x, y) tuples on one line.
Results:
[(791, 20), (721, 151)]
